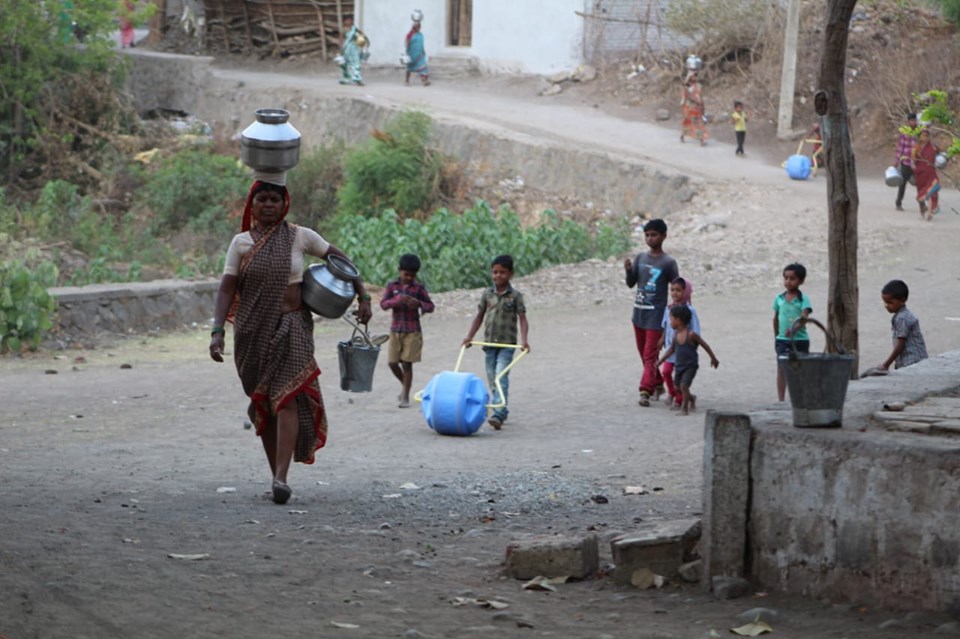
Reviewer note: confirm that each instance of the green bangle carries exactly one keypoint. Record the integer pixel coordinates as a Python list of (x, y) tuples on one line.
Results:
[(365, 297), (218, 329)]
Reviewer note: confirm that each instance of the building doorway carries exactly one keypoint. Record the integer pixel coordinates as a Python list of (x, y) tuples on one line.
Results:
[(460, 24)]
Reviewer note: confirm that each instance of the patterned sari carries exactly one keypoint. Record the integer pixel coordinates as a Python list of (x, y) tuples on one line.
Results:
[(692, 103), (273, 351), (925, 173), (352, 58)]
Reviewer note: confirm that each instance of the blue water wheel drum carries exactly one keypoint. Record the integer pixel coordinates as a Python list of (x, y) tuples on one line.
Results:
[(798, 167), (455, 403)]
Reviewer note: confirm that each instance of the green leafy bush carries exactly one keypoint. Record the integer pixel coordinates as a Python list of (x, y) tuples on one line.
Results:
[(456, 249), (194, 189), (395, 169), (313, 185), (26, 308)]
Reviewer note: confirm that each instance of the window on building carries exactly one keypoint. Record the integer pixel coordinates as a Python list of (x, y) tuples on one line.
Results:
[(460, 27)]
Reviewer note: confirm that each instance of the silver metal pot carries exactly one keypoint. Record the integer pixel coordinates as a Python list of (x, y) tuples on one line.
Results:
[(271, 144), (327, 289), (940, 161)]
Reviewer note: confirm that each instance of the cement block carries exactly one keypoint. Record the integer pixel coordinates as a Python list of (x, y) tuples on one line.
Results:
[(726, 486), (662, 548), (553, 556)]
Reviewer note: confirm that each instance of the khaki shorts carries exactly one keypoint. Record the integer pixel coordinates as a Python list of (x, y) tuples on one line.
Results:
[(405, 347)]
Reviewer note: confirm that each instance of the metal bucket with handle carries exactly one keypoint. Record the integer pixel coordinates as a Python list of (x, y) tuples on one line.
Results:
[(817, 381), (358, 359)]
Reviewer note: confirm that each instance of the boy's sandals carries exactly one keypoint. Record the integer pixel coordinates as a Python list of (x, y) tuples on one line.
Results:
[(495, 421), (644, 399)]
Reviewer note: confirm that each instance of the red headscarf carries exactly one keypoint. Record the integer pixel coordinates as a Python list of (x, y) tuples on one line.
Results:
[(258, 186), (413, 29)]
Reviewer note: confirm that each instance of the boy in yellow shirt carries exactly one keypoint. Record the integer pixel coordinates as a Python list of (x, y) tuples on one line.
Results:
[(739, 120)]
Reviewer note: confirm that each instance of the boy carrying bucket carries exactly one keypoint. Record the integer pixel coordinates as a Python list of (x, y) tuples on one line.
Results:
[(407, 298)]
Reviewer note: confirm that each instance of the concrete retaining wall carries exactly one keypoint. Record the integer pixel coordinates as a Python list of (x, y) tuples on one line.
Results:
[(624, 186), (857, 514), (87, 311)]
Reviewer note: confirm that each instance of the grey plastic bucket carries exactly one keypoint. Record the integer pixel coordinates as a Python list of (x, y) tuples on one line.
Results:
[(358, 361), (817, 383)]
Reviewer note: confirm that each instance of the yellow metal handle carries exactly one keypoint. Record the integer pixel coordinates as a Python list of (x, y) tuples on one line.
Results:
[(496, 380), (418, 396)]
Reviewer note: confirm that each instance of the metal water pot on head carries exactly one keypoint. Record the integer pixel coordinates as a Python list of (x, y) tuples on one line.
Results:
[(271, 144)]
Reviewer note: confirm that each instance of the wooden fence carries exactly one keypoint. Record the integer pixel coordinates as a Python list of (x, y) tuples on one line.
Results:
[(276, 27)]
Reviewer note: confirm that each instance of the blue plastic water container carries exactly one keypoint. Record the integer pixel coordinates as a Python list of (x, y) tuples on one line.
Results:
[(798, 167), (455, 403)]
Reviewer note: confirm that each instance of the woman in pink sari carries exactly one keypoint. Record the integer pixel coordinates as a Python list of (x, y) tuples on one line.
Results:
[(126, 25), (925, 173)]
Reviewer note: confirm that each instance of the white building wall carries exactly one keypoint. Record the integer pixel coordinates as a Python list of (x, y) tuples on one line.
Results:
[(514, 36)]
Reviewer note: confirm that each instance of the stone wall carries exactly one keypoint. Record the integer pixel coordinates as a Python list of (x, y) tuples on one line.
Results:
[(141, 307), (187, 83), (857, 514), (166, 80)]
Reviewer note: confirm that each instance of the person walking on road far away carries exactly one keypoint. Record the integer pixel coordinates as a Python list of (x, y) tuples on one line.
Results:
[(925, 169), (903, 159), (500, 310), (417, 55), (691, 102), (788, 307), (684, 347), (651, 273), (407, 298), (739, 120), (354, 50)]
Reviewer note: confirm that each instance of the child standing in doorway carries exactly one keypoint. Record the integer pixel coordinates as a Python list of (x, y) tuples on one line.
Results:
[(788, 307), (681, 292), (908, 345), (651, 273), (501, 310), (684, 347), (407, 298), (739, 120)]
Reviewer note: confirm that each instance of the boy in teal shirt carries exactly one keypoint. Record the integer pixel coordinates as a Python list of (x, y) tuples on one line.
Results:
[(788, 307)]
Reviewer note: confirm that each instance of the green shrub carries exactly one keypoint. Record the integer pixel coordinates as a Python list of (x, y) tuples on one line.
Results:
[(194, 189), (456, 249), (26, 308), (395, 169), (313, 186), (951, 10)]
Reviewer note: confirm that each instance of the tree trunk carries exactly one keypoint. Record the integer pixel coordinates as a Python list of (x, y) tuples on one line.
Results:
[(842, 198)]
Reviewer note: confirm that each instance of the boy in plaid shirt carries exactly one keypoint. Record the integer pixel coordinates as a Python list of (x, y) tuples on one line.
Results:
[(407, 298)]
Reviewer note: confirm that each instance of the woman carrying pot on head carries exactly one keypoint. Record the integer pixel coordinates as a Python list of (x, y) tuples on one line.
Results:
[(691, 101), (925, 173), (354, 49), (417, 55), (273, 330)]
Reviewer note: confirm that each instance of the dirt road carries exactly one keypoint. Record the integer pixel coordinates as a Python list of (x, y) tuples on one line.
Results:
[(133, 501)]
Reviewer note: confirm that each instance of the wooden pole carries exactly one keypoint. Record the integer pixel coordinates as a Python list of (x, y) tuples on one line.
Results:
[(842, 198), (788, 72)]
